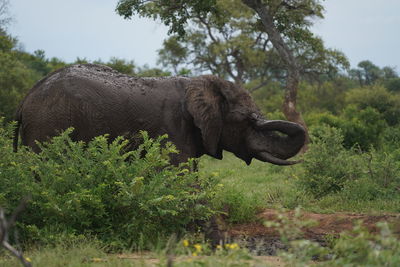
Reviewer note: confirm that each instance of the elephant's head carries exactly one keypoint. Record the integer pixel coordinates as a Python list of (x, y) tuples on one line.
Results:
[(229, 120)]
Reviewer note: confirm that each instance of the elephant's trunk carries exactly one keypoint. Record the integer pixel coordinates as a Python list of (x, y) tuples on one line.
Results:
[(285, 146)]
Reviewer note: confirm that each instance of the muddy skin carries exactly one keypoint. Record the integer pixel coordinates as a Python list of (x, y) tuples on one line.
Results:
[(201, 115)]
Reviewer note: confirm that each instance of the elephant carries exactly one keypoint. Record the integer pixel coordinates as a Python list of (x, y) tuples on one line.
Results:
[(201, 115)]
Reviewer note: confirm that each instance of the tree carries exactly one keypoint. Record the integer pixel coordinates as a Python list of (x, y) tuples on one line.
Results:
[(282, 24), (121, 65), (231, 45), (128, 67), (5, 19), (228, 45), (15, 77), (368, 74)]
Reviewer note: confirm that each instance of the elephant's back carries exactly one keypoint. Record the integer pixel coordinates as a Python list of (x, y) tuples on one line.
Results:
[(96, 99), (92, 81), (86, 79)]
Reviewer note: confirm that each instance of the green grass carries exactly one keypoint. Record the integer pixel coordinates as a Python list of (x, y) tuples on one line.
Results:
[(89, 254), (262, 185)]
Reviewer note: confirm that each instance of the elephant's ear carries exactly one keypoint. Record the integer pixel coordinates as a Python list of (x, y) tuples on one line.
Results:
[(204, 103)]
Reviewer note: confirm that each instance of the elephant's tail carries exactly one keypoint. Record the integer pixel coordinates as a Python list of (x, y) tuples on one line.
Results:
[(18, 119)]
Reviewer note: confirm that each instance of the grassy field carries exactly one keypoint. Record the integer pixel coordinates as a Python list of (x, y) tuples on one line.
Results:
[(89, 253), (263, 185)]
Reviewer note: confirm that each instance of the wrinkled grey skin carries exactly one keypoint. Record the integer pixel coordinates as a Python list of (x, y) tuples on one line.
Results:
[(203, 115)]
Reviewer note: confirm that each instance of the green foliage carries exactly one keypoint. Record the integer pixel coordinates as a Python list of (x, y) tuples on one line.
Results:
[(316, 98), (376, 97), (121, 65), (361, 128), (357, 247), (15, 77), (236, 206), (393, 85), (173, 54), (367, 112), (269, 98), (226, 37), (173, 13), (101, 190), (330, 168), (146, 71), (88, 253), (368, 74)]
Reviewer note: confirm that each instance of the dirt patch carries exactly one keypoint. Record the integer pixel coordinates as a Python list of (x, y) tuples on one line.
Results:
[(263, 240)]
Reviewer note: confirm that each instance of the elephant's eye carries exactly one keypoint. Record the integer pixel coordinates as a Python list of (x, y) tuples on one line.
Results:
[(237, 115), (253, 116)]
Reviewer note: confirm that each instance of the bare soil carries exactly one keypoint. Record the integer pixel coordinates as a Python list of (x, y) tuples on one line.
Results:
[(263, 240)]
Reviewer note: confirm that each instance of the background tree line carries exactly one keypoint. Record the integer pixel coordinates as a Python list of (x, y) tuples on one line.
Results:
[(226, 38)]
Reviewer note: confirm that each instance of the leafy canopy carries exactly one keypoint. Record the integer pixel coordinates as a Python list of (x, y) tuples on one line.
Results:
[(226, 37)]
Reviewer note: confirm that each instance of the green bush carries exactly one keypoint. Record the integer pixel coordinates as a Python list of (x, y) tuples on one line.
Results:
[(362, 128), (15, 77), (357, 247), (361, 248), (328, 165), (378, 98), (330, 168), (237, 207), (101, 190)]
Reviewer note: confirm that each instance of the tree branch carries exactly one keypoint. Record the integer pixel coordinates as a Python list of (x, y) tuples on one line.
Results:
[(6, 225), (207, 25), (303, 7), (251, 90)]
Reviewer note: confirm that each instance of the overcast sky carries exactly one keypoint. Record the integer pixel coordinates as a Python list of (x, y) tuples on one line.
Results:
[(362, 29)]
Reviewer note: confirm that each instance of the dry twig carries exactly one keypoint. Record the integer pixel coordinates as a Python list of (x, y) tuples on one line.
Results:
[(7, 225)]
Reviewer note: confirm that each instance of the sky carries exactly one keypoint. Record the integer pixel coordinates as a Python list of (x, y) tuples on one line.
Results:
[(91, 29)]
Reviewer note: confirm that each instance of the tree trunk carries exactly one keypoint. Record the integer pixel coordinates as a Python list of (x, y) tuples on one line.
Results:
[(290, 102), (293, 68)]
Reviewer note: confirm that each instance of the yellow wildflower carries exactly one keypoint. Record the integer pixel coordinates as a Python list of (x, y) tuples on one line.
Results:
[(28, 259), (234, 246), (185, 243), (197, 247), (194, 254)]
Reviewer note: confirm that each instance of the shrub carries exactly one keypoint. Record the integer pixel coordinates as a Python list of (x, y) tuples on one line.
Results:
[(360, 128), (100, 189), (393, 85), (328, 165), (331, 168), (238, 207), (390, 139), (379, 98), (357, 247)]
